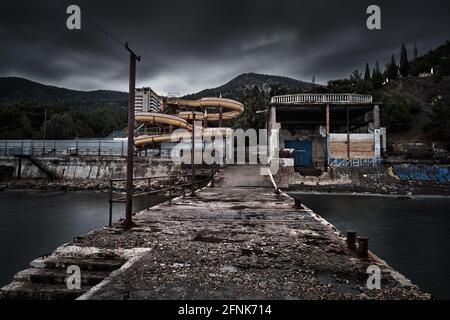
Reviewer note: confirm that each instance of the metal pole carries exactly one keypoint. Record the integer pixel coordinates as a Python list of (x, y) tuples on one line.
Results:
[(363, 247), (351, 239), (348, 131), (19, 169), (110, 202), (193, 156), (148, 194), (327, 141), (132, 85), (45, 130)]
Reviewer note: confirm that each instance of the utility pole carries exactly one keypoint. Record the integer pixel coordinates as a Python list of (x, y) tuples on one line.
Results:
[(193, 156), (128, 223), (45, 130)]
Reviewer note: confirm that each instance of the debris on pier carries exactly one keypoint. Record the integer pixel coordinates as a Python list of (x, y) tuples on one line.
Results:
[(232, 241)]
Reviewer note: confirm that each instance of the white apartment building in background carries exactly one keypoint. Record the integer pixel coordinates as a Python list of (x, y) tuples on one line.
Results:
[(146, 100)]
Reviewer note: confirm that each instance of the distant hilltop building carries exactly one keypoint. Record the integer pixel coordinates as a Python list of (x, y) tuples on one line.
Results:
[(146, 100)]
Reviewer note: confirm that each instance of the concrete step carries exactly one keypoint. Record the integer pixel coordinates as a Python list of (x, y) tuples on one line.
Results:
[(93, 264), (19, 290), (58, 276)]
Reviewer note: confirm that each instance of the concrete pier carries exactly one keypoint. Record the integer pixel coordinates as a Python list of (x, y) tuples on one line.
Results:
[(238, 240)]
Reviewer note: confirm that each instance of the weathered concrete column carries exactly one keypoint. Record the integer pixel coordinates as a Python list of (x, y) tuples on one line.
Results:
[(347, 110), (376, 117), (327, 137)]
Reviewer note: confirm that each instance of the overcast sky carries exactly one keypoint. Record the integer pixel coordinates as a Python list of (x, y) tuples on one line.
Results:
[(189, 45)]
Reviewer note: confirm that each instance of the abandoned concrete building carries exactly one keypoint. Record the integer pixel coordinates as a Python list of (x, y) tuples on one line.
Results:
[(322, 130)]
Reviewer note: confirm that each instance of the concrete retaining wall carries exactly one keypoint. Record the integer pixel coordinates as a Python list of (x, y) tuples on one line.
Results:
[(89, 167), (346, 175)]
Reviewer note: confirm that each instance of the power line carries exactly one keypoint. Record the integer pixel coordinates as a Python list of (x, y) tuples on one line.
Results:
[(99, 27)]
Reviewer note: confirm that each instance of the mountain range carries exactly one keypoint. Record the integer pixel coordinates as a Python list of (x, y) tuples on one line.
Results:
[(240, 86), (87, 114), (19, 91), (15, 91)]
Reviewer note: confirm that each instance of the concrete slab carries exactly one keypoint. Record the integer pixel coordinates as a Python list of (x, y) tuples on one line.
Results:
[(240, 242)]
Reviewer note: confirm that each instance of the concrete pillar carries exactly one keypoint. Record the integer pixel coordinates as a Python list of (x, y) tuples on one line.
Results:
[(327, 116), (327, 141), (376, 117)]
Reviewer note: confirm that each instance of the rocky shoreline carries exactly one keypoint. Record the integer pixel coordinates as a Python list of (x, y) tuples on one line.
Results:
[(63, 185), (399, 188), (74, 185)]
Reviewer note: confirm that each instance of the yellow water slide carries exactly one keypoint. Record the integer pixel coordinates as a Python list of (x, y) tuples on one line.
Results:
[(230, 109)]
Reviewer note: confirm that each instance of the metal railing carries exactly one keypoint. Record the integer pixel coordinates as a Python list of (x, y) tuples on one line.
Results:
[(92, 147), (148, 191), (321, 98)]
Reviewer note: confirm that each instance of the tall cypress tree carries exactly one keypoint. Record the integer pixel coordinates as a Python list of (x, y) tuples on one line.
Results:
[(392, 69), (367, 73), (377, 76), (414, 68), (404, 64)]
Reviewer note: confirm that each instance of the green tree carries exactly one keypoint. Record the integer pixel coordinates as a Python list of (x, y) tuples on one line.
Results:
[(356, 76), (254, 101), (367, 73), (395, 113), (60, 126), (414, 66), (440, 120), (25, 129), (377, 76), (404, 63), (392, 69)]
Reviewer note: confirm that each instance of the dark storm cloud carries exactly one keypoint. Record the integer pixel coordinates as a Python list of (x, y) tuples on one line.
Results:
[(189, 45)]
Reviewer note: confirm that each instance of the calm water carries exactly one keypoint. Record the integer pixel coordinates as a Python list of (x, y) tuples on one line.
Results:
[(35, 223), (413, 236)]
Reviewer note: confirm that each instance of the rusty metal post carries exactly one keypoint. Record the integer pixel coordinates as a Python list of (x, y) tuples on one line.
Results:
[(130, 154), (19, 169), (170, 188), (363, 247), (148, 193), (351, 240), (348, 131), (212, 180), (298, 203), (110, 202), (193, 157), (327, 141)]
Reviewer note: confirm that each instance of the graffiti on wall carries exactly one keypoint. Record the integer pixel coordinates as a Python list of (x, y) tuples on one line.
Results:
[(431, 173), (375, 162)]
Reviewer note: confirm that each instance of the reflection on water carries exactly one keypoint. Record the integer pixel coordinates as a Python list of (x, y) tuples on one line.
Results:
[(412, 235), (35, 223)]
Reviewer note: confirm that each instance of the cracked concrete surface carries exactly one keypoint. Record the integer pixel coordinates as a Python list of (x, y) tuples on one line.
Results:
[(239, 242)]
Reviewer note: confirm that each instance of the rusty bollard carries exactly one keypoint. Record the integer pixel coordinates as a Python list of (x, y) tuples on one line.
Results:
[(351, 240), (298, 203), (363, 247)]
